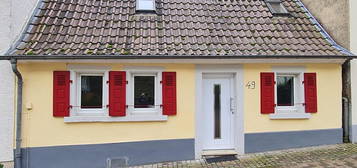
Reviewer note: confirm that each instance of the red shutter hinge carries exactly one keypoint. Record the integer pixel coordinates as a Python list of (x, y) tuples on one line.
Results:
[(160, 82), (304, 104), (127, 106), (274, 105), (161, 105), (274, 82), (303, 82), (107, 82), (107, 105), (127, 82), (70, 106), (70, 81)]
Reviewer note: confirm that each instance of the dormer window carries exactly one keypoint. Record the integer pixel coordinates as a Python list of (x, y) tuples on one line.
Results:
[(276, 7), (145, 5)]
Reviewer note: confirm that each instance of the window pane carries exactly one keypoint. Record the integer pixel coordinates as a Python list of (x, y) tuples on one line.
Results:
[(285, 90), (144, 91), (217, 111), (91, 91), (145, 5)]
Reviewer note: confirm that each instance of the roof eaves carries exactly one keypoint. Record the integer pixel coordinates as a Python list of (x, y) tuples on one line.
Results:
[(81, 57), (323, 32)]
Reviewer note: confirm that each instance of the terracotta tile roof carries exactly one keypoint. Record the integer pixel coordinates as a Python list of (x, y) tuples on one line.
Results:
[(180, 27)]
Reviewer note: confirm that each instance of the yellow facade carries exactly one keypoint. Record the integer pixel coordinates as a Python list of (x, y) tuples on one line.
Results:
[(40, 128)]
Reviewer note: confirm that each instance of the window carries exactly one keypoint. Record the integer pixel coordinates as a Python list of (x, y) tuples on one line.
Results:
[(276, 7), (145, 5), (89, 93), (144, 92), (285, 90), (289, 93)]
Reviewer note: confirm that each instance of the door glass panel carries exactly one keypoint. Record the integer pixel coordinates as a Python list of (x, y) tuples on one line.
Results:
[(285, 90), (217, 111), (91, 92)]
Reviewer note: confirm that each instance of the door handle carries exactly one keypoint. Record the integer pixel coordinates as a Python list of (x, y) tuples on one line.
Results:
[(232, 105)]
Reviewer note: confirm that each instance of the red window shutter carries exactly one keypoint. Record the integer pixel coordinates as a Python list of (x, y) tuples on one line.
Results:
[(169, 93), (61, 84), (267, 92), (310, 92), (117, 93)]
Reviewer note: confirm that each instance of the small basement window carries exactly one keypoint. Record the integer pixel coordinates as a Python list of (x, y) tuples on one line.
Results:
[(145, 5), (276, 7)]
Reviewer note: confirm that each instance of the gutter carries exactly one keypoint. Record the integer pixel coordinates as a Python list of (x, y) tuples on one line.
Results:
[(119, 57), (18, 154)]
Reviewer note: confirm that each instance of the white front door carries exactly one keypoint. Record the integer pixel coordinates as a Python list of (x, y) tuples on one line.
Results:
[(217, 118)]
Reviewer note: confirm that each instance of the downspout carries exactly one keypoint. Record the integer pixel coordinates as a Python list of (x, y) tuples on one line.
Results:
[(346, 99), (18, 154), (346, 127)]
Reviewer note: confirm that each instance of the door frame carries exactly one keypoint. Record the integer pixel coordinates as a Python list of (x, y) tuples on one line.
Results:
[(238, 86)]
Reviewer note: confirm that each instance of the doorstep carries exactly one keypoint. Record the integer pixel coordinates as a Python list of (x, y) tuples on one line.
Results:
[(218, 152)]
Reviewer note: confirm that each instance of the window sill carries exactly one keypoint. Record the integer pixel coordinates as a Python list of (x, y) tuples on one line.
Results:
[(284, 116), (143, 118)]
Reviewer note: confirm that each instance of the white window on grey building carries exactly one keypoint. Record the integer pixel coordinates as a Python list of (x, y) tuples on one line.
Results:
[(145, 5)]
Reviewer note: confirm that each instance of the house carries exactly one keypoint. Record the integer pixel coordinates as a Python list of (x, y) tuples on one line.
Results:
[(13, 19), (143, 81)]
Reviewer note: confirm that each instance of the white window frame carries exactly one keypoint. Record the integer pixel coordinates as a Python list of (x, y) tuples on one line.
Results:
[(145, 9), (298, 110), (133, 71), (90, 111), (76, 72)]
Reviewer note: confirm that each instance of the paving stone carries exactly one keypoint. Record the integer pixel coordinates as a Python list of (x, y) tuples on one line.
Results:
[(331, 156)]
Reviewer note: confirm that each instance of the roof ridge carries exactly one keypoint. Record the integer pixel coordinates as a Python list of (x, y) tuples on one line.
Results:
[(323, 31)]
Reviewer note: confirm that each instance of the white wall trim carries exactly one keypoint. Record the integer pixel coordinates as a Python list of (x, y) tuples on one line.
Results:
[(237, 70)]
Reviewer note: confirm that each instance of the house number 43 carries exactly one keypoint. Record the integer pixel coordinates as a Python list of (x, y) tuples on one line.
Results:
[(250, 85)]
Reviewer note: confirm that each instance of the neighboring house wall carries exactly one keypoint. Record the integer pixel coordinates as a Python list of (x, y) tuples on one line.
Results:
[(13, 18), (333, 16), (353, 47)]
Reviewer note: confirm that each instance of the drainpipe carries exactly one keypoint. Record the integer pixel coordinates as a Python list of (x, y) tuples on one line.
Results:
[(18, 154), (346, 99), (346, 118)]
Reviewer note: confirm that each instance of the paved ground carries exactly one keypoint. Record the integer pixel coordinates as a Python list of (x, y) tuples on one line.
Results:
[(332, 156), (343, 155)]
